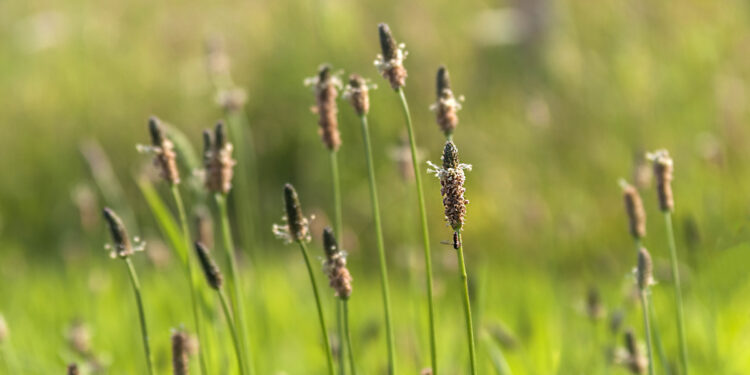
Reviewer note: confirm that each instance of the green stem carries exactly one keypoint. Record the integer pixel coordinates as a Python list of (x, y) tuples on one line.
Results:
[(323, 328), (677, 292), (467, 304), (141, 314), (425, 232), (233, 330), (657, 337), (336, 196), (347, 334), (192, 279), (381, 245), (340, 325), (247, 190), (647, 328), (235, 287)]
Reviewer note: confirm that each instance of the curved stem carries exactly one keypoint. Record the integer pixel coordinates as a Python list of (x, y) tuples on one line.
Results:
[(677, 292), (657, 337), (233, 330), (425, 232), (347, 334), (342, 337), (467, 305), (141, 314), (193, 281), (381, 245), (235, 287), (323, 328), (647, 328)]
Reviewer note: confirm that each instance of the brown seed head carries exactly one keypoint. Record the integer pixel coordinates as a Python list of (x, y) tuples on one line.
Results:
[(79, 338), (166, 158), (645, 269), (446, 107), (218, 161), (635, 211), (391, 62), (72, 369), (325, 95), (358, 94), (335, 266), (210, 269), (180, 358), (122, 246), (663, 168), (636, 362), (294, 217), (452, 179)]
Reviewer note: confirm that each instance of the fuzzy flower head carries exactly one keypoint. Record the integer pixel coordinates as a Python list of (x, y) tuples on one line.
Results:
[(165, 158), (663, 168), (296, 227), (334, 266), (452, 179), (231, 99), (634, 209), (447, 105), (645, 271), (217, 160), (326, 86), (390, 63), (121, 245), (357, 93)]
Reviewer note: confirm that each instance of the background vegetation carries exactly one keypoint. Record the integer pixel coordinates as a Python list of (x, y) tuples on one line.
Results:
[(562, 98)]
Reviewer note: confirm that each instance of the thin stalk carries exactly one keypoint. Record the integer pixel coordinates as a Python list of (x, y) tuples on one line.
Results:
[(467, 305), (647, 328), (246, 181), (425, 232), (347, 334), (235, 287), (677, 292), (192, 279), (323, 328), (381, 245), (336, 195), (233, 329), (340, 325), (657, 337), (141, 314)]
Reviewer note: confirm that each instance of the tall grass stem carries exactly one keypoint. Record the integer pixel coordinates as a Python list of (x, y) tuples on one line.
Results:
[(677, 292), (348, 336), (141, 315), (657, 337), (425, 231), (647, 328), (341, 335), (338, 219), (233, 330), (326, 341), (467, 305)]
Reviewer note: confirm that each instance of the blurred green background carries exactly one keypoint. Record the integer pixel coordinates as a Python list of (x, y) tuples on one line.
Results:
[(563, 98)]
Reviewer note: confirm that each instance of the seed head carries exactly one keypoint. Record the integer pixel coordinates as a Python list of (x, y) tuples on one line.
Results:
[(210, 269), (663, 168), (634, 209), (123, 248), (447, 106), (335, 266), (636, 362), (180, 358), (79, 338), (165, 157), (72, 369), (452, 179), (357, 92), (297, 226), (644, 272), (390, 62), (325, 86), (217, 159)]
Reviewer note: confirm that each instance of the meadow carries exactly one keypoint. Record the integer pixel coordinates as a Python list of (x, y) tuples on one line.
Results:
[(560, 101)]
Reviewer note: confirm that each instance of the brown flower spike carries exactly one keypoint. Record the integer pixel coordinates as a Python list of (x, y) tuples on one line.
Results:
[(452, 179), (335, 266), (297, 227), (357, 92), (447, 106), (634, 209), (180, 358), (123, 248), (390, 62), (166, 158), (644, 272), (210, 269), (326, 87), (217, 159), (636, 362), (663, 168), (72, 369)]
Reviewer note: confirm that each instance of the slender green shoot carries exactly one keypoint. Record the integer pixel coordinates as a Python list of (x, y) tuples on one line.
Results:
[(657, 337), (329, 356), (677, 292), (647, 328), (467, 304), (233, 329), (338, 220), (141, 315), (235, 286), (342, 335), (348, 336), (381, 245), (192, 279), (425, 231)]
